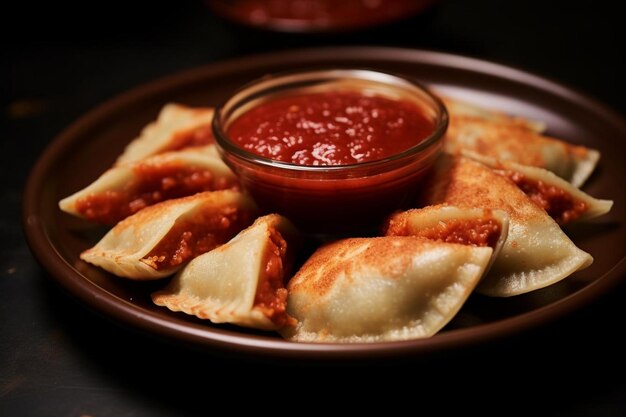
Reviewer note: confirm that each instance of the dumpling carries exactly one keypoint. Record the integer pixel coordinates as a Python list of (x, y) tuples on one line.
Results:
[(159, 240), (536, 253), (177, 127), (241, 282), (381, 289), (560, 199), (458, 108), (518, 144), (470, 226), (125, 189)]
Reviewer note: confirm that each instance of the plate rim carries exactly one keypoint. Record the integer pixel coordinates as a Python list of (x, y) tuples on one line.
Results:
[(127, 313)]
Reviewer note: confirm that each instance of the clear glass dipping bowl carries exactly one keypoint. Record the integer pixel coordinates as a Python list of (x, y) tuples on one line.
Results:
[(341, 199)]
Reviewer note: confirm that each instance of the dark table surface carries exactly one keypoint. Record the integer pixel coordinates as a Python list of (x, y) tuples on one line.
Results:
[(57, 358)]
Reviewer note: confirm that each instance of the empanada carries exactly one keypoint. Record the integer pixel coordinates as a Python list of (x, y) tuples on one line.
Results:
[(510, 142), (468, 226), (160, 239), (459, 108), (381, 289), (241, 282), (125, 189), (560, 199), (177, 127), (536, 253)]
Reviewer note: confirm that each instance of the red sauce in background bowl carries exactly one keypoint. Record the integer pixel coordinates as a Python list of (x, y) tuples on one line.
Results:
[(317, 15), (335, 151)]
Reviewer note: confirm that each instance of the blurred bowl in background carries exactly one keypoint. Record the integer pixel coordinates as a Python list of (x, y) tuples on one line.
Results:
[(317, 15)]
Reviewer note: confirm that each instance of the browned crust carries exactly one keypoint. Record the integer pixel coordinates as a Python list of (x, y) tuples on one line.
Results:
[(391, 255), (497, 139), (464, 183)]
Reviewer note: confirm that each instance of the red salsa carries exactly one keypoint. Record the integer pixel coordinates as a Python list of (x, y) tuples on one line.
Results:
[(330, 128)]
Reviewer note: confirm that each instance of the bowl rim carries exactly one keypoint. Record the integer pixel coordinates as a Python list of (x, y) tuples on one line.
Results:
[(266, 83)]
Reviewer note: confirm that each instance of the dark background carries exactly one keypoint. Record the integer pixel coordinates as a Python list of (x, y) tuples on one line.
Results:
[(59, 359)]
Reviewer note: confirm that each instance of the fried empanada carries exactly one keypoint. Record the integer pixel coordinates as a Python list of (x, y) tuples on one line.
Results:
[(468, 226), (381, 289), (458, 108), (510, 142), (160, 239), (560, 199), (125, 189), (536, 253), (177, 127), (241, 282)]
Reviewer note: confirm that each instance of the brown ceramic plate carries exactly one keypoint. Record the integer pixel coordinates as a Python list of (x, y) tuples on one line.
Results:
[(83, 151)]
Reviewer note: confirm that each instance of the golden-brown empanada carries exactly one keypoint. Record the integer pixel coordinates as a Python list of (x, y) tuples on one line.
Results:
[(510, 142), (459, 108), (160, 239), (468, 226), (125, 189), (536, 253), (560, 199), (177, 127), (241, 282), (381, 289)]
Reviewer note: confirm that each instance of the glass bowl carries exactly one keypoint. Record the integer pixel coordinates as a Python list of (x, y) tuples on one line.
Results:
[(332, 199)]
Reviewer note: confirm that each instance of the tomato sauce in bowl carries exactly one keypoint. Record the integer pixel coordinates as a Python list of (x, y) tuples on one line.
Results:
[(334, 151), (330, 128)]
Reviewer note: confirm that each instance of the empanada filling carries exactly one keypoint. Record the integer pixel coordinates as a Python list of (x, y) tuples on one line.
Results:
[(199, 136), (271, 294), (193, 237), (483, 231), (153, 183), (558, 203)]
